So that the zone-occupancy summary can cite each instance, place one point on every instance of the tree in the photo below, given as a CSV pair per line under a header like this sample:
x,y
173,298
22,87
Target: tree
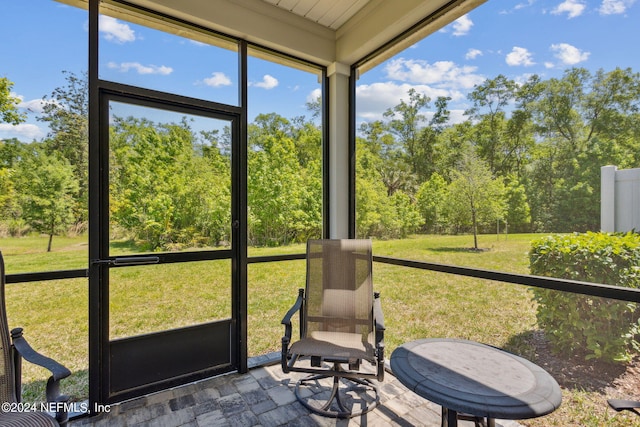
x,y
8,149
47,190
518,213
7,194
474,196
284,183
453,142
406,218
490,101
169,188
391,164
583,121
430,201
11,153
405,122
66,111
9,104
417,136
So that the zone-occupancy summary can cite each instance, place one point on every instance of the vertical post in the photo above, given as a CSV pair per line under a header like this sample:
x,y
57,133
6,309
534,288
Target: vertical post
x,y
240,278
98,286
339,155
608,198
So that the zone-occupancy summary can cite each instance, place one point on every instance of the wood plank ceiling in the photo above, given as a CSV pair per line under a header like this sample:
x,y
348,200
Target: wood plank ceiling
x,y
328,13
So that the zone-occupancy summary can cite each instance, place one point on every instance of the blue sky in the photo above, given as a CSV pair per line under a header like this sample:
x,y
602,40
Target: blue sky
x,y
515,38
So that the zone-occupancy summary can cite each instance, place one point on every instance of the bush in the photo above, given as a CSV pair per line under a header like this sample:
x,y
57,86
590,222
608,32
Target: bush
x,y
14,228
592,326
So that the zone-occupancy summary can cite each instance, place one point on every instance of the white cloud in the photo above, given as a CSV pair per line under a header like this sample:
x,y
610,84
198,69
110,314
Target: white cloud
x,y
441,73
21,131
376,98
569,55
523,5
519,56
462,26
141,69
456,116
314,95
614,7
115,31
572,8
473,54
217,79
33,106
268,82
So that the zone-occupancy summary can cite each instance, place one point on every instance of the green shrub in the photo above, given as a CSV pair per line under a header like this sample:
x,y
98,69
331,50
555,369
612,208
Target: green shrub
x,y
595,327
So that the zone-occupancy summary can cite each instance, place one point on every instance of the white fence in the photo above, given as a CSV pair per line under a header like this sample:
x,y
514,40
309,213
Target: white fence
x,y
620,199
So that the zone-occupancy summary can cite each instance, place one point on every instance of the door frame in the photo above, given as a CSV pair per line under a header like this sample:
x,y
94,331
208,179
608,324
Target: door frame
x,y
100,262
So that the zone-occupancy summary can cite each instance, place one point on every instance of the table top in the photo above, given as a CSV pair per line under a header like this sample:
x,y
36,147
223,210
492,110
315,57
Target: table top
x,y
477,379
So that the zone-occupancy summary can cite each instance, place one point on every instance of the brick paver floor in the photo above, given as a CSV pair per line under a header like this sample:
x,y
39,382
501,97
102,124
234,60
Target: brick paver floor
x,y
262,397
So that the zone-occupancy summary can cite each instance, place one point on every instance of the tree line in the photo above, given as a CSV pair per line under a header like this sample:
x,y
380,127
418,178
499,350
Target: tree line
x,y
528,155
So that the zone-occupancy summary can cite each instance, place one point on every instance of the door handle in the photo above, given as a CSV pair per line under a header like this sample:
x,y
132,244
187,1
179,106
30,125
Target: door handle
x,y
142,260
133,260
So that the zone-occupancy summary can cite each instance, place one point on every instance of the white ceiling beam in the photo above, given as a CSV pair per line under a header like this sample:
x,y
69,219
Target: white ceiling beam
x,y
255,21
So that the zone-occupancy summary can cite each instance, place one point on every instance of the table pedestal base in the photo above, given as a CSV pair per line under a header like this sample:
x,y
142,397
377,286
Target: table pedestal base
x,y
450,419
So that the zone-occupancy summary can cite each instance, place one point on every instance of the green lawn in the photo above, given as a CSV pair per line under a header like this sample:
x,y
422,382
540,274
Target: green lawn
x,y
416,304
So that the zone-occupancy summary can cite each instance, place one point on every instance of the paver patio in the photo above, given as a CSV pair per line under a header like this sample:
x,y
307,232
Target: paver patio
x,y
262,397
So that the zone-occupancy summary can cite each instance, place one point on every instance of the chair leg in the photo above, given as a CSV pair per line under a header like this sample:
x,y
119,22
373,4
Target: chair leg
x,y
335,406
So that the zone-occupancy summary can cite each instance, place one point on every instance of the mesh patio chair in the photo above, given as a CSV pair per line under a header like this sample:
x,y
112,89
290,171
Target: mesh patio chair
x,y
341,326
12,350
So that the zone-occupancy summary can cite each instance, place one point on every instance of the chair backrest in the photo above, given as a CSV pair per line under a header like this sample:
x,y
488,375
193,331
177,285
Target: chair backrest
x,y
339,288
7,374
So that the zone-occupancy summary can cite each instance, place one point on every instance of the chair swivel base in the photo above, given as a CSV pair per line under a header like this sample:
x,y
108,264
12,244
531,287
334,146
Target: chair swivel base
x,y
335,406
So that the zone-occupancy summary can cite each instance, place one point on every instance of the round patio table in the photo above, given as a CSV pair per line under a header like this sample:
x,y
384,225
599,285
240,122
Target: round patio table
x,y
467,377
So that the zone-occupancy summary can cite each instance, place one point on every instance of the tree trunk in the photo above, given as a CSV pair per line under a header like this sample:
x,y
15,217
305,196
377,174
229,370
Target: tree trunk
x,y
50,240
475,228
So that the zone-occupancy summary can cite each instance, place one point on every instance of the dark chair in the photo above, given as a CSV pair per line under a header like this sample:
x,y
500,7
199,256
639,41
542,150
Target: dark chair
x,y
622,405
13,350
341,326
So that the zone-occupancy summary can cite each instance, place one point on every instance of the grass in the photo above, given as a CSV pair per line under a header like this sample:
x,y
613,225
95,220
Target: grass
x,y
416,304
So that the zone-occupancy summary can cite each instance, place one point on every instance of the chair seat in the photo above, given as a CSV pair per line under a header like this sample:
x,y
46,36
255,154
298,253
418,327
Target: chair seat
x,y
27,419
334,345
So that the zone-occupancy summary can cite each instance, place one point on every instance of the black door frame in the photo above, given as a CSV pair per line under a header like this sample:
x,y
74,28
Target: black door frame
x,y
110,385
98,194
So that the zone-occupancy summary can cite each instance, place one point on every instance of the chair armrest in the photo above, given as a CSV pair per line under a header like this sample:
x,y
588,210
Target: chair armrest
x,y
378,316
24,351
621,405
378,320
286,320
57,370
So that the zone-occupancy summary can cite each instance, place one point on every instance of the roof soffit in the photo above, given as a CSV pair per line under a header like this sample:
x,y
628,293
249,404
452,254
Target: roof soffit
x,y
376,31
255,21
384,28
